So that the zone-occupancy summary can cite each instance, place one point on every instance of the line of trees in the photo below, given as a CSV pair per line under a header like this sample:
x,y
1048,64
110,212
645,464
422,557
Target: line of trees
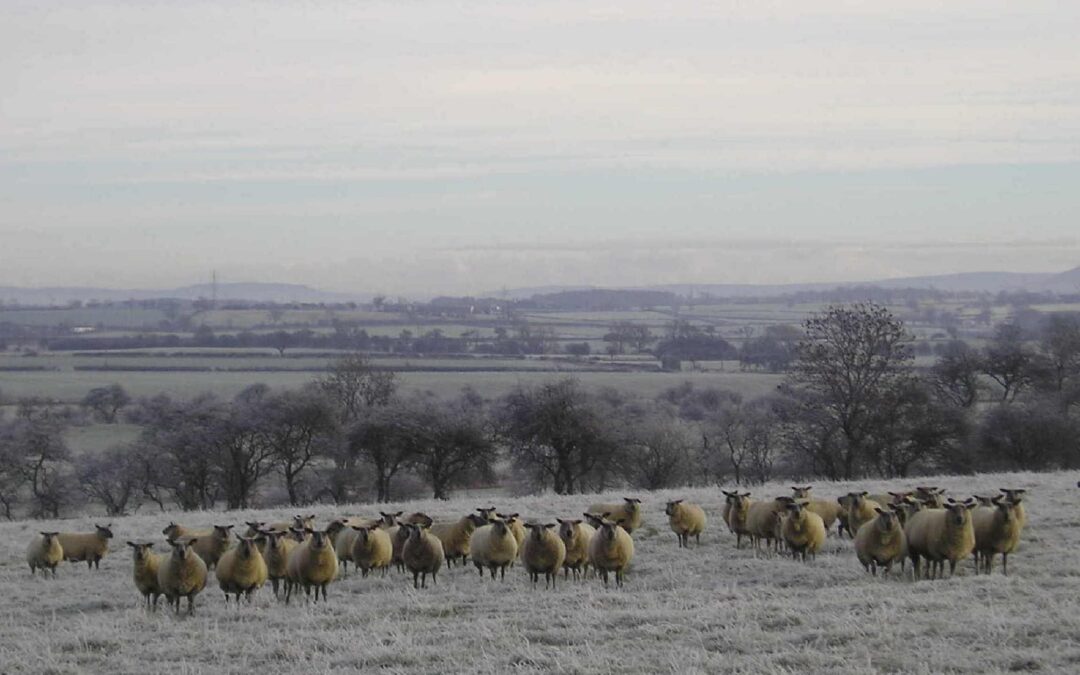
x,y
852,405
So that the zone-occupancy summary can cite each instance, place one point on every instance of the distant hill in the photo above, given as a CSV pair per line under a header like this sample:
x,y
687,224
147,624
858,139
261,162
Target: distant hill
x,y
988,282
253,292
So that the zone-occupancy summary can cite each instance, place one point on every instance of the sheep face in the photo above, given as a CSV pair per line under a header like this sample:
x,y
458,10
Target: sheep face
x,y
476,520
103,531
899,497
800,492
886,520
959,512
319,540
390,519
139,552
607,530
170,529
182,550
1006,507
487,513
536,530
566,528
222,531
669,509
361,533
500,527
336,526
509,518
245,547
1014,495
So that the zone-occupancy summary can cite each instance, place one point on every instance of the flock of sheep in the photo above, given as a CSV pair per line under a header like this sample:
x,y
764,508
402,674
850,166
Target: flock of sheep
x,y
920,524
886,529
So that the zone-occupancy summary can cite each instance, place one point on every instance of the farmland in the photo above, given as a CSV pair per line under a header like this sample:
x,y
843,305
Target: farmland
x,y
707,609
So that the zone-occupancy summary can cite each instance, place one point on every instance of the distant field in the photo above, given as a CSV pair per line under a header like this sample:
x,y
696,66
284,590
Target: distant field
x,y
707,609
71,386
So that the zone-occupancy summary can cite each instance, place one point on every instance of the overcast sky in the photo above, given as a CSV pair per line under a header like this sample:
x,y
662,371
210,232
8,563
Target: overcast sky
x,y
420,146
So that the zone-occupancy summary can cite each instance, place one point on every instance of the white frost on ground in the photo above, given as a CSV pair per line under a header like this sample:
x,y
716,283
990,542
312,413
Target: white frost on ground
x,y
708,609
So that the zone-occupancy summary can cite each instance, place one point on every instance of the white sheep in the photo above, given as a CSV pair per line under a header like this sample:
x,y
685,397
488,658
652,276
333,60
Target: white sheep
x,y
145,572
455,536
803,531
423,555
312,564
997,530
686,520
628,513
372,549
827,509
88,546
575,535
494,546
611,550
939,535
44,553
211,547
881,542
543,552
182,574
861,509
241,570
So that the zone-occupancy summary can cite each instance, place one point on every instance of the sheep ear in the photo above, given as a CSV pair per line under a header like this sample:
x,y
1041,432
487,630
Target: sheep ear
x,y
130,543
576,522
549,525
559,520
606,514
878,509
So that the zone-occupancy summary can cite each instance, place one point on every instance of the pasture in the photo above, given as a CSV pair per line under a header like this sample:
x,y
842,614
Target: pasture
x,y
706,609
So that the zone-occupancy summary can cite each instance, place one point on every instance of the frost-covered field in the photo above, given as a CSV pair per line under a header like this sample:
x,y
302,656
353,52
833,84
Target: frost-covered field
x,y
707,609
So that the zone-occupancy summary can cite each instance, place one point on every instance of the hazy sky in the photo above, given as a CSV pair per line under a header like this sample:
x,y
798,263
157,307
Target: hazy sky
x,y
420,146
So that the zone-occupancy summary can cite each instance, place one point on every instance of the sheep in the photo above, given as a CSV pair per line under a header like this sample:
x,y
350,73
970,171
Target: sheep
x,y
737,516
686,520
372,549
939,535
575,535
91,547
174,531
861,509
827,509
933,497
516,527
455,537
487,513
241,570
610,550
182,574
343,535
276,551
399,534
423,555
729,500
997,530
1016,496
843,523
212,546
629,512
761,520
984,501
418,518
803,531
145,572
881,542
543,553
311,564
494,546
44,552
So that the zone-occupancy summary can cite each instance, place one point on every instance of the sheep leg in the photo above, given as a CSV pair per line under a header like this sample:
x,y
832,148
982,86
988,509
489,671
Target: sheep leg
x,y
190,604
697,537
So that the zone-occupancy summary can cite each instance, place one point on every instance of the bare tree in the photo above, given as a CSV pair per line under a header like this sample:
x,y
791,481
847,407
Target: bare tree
x,y
299,426
453,443
106,402
851,358
657,452
384,439
557,432
242,451
1008,361
1061,348
354,385
955,376
112,478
